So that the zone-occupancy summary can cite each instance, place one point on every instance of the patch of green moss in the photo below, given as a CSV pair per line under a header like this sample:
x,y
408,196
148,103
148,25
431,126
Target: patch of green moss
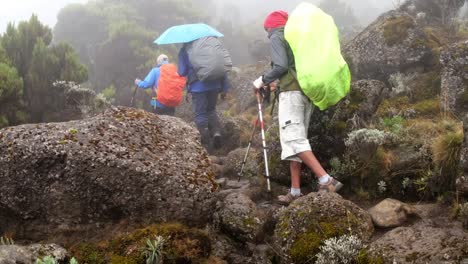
x,y
339,127
249,221
308,243
183,245
428,107
426,86
364,258
355,99
396,29
88,253
388,107
122,260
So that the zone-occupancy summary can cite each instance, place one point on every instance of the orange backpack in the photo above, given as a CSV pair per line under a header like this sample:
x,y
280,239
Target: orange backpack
x,y
170,86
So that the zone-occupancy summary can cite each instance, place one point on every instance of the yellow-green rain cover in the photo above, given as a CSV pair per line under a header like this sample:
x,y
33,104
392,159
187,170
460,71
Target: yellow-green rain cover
x,y
322,72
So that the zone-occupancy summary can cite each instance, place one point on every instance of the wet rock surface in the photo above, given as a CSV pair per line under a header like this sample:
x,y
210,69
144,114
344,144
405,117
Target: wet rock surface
x,y
123,164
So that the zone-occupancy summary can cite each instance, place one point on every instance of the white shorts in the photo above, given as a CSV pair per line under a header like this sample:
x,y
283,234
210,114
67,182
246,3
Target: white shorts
x,y
294,113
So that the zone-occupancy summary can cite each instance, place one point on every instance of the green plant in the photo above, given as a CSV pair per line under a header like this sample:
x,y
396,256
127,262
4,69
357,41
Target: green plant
x,y
154,250
446,151
406,183
73,261
46,260
382,186
109,92
422,184
393,124
5,241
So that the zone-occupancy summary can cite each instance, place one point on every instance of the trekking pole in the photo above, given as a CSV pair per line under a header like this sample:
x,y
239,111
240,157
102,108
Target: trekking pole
x,y
248,149
260,117
134,93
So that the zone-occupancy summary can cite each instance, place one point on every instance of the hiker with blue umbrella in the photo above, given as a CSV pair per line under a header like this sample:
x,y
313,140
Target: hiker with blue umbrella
x,y
205,63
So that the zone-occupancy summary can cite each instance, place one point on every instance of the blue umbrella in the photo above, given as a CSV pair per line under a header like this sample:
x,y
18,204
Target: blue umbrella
x,y
187,33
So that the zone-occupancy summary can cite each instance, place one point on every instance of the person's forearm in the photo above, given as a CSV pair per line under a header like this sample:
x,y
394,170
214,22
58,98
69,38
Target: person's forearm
x,y
274,74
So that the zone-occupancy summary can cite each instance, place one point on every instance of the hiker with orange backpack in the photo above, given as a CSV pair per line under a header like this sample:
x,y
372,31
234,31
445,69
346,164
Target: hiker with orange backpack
x,y
167,86
295,107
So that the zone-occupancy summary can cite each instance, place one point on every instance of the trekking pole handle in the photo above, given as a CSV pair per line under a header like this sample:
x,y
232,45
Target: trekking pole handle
x,y
134,94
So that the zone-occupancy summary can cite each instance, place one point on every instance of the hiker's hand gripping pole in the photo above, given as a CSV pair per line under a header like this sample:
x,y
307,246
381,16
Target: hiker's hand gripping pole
x,y
265,155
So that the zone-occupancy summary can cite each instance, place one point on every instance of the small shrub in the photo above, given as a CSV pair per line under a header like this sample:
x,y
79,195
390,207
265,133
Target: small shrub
x,y
154,250
446,151
365,142
406,183
6,241
342,250
382,186
393,124
400,83
46,260
109,93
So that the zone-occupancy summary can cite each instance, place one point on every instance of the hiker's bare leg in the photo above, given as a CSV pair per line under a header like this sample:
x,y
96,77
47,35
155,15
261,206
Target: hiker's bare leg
x,y
295,168
311,161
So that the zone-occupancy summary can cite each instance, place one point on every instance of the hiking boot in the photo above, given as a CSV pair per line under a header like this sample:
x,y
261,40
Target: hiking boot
x,y
287,199
331,186
217,140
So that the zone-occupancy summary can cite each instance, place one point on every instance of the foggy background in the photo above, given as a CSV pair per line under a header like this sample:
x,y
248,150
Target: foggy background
x,y
248,10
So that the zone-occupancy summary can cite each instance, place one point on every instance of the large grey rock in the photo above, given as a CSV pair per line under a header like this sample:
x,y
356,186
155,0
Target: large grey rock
x,y
369,94
427,241
462,181
12,254
390,213
454,59
393,43
310,220
123,164
233,163
241,218
435,10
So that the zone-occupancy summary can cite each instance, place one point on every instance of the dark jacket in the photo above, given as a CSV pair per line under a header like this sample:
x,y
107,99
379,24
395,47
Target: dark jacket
x,y
282,57
185,68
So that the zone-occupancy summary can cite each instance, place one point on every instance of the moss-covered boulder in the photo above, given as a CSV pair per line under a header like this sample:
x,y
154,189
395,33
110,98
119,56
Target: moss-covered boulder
x,y
393,43
125,164
241,219
309,221
174,242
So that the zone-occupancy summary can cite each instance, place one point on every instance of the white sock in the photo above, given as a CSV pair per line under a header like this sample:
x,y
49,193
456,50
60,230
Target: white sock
x,y
324,179
295,192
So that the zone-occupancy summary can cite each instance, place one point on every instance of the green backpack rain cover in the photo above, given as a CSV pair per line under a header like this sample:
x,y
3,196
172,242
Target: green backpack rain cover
x,y
321,70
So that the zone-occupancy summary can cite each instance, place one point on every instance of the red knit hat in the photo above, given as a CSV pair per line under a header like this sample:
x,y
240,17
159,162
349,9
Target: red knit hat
x,y
276,19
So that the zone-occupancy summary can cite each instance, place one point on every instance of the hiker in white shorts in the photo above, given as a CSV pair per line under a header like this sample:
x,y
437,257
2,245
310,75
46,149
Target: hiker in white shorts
x,y
295,111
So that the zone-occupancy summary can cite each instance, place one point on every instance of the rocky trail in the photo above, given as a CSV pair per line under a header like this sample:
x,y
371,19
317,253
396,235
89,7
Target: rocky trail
x,y
126,183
